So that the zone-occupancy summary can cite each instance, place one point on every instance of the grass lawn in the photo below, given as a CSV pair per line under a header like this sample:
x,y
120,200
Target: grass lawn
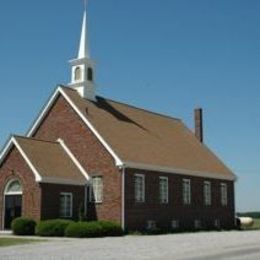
x,y
256,223
17,241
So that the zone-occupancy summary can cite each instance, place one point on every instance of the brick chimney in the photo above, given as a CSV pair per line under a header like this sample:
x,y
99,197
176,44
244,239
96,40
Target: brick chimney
x,y
198,116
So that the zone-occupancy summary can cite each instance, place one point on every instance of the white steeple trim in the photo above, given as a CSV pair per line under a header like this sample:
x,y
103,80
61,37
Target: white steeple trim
x,y
83,47
83,68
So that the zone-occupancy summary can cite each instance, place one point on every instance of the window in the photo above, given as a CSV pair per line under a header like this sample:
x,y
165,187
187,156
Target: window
x,y
151,225
217,223
223,194
175,224
139,183
197,224
77,74
13,187
66,205
90,74
207,193
163,189
186,191
96,190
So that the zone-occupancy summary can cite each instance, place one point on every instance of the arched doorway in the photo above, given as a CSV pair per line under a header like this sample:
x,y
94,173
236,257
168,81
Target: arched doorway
x,y
13,202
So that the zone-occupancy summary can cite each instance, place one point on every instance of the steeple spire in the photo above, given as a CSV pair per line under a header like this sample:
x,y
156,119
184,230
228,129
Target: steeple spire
x,y
82,76
83,47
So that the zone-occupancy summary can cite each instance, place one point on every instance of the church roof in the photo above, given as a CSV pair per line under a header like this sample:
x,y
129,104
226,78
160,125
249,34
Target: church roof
x,y
50,161
143,138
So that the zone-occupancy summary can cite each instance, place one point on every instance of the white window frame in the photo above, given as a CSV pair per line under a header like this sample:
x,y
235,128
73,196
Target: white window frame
x,y
142,192
186,193
7,186
67,194
93,191
207,193
223,194
164,197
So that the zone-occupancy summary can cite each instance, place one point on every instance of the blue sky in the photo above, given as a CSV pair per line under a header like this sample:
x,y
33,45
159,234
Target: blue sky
x,y
167,56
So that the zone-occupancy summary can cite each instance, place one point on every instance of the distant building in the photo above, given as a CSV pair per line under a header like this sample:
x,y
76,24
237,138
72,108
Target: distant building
x,y
114,161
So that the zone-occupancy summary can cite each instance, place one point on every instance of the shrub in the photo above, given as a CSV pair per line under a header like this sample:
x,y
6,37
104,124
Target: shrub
x,y
84,229
23,226
54,227
93,229
111,229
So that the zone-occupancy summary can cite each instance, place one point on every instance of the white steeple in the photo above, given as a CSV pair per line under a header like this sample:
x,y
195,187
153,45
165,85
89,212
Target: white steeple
x,y
83,47
82,76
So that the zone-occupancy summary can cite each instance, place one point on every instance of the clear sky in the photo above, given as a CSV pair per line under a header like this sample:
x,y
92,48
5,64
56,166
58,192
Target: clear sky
x,y
168,56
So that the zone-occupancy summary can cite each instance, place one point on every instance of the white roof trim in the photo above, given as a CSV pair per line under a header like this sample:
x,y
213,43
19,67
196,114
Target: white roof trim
x,y
42,114
62,181
91,127
73,158
84,119
185,172
8,147
38,177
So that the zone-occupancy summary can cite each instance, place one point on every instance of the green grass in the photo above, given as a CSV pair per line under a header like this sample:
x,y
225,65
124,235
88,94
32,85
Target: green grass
x,y
256,223
17,241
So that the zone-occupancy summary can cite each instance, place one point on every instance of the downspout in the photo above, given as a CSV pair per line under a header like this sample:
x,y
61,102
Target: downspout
x,y
123,198
86,199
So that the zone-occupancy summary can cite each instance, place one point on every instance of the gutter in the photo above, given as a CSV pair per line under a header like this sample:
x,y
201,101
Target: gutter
x,y
123,197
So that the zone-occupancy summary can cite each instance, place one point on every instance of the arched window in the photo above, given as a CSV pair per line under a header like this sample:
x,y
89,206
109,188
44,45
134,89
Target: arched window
x,y
77,74
13,187
90,74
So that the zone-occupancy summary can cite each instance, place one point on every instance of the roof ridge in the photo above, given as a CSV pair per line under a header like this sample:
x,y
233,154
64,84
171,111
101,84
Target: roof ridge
x,y
35,139
132,106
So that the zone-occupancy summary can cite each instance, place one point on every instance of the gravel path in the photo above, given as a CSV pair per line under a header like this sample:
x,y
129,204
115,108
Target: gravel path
x,y
208,245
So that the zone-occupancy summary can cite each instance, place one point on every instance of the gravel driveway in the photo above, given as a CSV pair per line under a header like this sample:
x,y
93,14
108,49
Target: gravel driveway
x,y
208,245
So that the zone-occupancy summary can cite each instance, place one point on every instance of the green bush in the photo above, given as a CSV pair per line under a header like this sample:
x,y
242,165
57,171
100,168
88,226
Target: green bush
x,y
93,229
54,227
23,226
111,229
84,229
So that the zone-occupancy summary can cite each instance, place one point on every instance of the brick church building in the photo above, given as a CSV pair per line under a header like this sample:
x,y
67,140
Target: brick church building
x,y
113,161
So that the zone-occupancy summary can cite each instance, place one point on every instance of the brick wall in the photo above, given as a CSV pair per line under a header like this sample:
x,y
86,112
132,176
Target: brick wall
x,y
63,122
14,167
51,199
137,214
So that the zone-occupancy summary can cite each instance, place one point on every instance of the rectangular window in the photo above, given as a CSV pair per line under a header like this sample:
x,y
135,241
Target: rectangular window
x,y
163,189
96,189
151,225
139,182
186,188
197,224
175,224
66,205
207,193
223,194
